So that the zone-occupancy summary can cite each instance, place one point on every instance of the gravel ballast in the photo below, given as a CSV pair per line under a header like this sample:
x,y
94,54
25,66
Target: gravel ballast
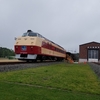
x,y
95,68
5,68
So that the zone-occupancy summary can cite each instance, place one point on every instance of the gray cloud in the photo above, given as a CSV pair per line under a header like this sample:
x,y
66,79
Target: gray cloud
x,y
68,23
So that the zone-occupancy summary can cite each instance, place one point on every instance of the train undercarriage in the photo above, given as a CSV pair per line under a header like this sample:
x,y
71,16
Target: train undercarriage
x,y
35,57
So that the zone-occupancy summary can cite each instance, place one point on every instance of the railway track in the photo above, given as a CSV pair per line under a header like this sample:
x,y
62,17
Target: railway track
x,y
9,66
98,63
10,63
7,62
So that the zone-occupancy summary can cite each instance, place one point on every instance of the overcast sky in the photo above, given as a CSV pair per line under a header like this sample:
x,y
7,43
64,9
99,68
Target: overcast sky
x,y
68,23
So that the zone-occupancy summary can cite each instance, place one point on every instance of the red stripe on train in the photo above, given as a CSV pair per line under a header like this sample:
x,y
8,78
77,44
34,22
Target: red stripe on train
x,y
28,50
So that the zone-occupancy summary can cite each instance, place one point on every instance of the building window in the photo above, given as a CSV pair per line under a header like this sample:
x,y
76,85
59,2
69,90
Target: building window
x,y
93,54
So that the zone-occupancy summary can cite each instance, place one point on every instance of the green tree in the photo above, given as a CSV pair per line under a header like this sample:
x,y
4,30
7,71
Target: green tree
x,y
5,52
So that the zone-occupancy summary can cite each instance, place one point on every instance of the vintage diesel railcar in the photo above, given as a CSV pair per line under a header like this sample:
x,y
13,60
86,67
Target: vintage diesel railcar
x,y
33,46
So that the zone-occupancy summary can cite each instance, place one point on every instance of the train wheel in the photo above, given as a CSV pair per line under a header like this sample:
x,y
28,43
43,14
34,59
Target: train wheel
x,y
42,58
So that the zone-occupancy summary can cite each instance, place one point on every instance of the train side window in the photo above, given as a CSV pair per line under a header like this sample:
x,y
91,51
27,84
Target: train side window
x,y
43,44
55,49
39,35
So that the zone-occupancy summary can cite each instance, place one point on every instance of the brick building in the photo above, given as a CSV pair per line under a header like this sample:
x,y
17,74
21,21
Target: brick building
x,y
89,52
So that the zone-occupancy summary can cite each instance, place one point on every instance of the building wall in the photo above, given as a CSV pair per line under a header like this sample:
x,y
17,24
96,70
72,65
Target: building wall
x,y
83,50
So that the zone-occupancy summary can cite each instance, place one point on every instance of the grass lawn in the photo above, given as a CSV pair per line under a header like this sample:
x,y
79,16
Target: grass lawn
x,y
56,82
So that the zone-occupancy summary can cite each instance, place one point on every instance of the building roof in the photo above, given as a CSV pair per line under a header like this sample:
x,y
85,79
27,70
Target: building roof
x,y
90,43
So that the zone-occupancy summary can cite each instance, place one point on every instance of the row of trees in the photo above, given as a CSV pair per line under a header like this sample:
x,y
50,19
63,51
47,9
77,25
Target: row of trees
x,y
5,52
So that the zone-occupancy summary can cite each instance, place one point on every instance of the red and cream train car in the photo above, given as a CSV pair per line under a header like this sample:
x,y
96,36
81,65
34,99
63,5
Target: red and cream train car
x,y
33,46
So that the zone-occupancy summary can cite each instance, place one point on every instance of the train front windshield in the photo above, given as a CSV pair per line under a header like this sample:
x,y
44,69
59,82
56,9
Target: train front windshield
x,y
24,34
29,34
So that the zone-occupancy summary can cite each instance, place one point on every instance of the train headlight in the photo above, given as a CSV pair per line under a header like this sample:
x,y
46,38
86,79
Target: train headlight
x,y
25,38
16,42
32,42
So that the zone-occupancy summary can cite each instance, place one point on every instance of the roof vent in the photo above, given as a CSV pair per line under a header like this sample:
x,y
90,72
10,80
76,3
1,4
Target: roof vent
x,y
29,30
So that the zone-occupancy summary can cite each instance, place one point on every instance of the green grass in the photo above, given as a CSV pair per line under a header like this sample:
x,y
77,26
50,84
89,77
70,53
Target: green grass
x,y
56,82
10,91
